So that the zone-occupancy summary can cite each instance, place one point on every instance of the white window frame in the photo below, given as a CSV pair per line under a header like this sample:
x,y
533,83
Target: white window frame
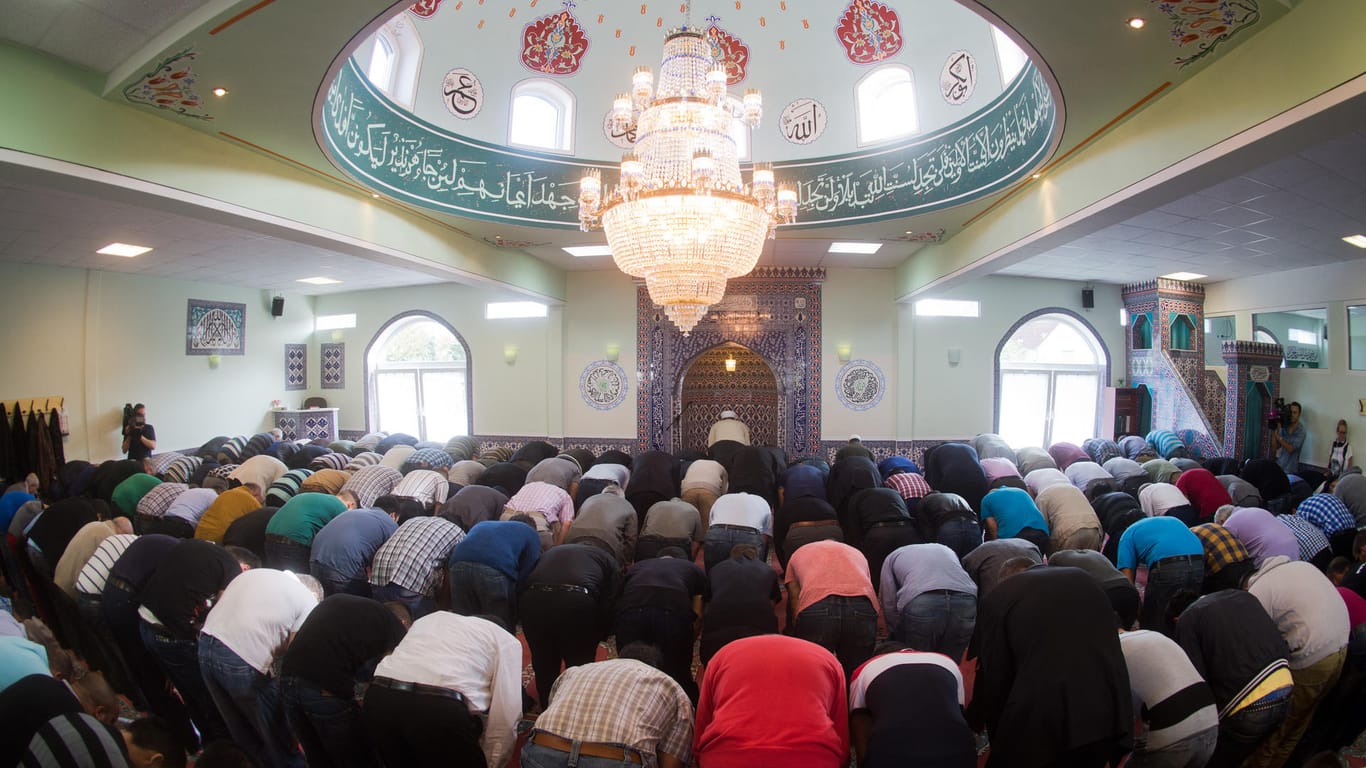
x,y
561,99
374,365
1006,54
868,91
1052,370
403,39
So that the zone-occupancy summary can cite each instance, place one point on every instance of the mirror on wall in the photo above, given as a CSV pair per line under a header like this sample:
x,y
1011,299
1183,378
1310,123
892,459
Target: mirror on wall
x,y
1217,331
1302,334
1356,337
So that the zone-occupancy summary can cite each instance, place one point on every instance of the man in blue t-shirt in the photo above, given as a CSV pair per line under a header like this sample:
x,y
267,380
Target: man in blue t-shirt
x,y
1175,560
1010,513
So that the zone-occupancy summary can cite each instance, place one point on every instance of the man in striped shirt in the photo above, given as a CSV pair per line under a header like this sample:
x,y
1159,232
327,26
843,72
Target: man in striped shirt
x,y
409,565
550,506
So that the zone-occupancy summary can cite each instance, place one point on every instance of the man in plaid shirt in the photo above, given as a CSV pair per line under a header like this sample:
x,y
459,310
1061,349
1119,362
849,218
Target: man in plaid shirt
x,y
408,566
1331,515
1227,561
551,507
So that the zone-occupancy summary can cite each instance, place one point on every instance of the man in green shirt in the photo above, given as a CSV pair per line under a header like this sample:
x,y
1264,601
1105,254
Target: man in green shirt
x,y
289,536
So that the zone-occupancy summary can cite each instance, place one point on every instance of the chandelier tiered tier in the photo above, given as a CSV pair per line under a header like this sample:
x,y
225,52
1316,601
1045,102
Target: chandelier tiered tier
x,y
681,216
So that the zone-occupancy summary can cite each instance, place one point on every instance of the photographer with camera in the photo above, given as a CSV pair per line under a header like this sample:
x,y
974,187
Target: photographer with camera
x,y
139,437
1288,436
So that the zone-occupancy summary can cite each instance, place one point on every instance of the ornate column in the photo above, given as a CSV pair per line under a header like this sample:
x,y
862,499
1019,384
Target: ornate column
x,y
1252,365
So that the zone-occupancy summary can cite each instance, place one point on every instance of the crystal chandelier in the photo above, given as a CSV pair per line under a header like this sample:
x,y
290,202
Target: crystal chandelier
x,y
680,216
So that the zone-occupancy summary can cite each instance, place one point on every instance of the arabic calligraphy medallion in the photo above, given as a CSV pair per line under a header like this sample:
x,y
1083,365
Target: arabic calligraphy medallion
x,y
727,49
803,121
958,79
869,32
624,138
860,384
603,385
554,44
462,93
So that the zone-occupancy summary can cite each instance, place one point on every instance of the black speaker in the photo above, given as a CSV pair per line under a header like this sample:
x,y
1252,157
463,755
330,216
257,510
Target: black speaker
x,y
277,306
1088,298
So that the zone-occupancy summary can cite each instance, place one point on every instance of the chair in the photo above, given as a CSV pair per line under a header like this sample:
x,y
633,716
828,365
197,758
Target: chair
x,y
315,402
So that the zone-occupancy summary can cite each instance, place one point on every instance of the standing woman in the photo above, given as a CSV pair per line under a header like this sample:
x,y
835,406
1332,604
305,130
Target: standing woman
x,y
1340,455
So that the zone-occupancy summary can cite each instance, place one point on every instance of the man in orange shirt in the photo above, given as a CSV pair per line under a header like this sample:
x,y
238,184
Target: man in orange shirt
x,y
229,506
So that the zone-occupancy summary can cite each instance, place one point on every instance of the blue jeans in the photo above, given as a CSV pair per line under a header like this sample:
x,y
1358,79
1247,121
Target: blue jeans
x,y
959,534
179,659
418,604
250,704
1242,732
1166,577
716,547
335,582
537,756
845,626
330,729
939,621
481,589
1194,751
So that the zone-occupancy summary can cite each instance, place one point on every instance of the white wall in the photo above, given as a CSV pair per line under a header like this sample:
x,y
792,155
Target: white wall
x,y
102,339
1326,394
948,401
518,399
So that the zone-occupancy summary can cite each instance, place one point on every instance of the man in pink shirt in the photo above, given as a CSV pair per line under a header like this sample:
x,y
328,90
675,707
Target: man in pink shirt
x,y
772,700
830,601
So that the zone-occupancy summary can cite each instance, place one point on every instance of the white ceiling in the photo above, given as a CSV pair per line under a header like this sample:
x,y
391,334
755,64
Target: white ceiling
x,y
99,34
788,250
39,225
1286,214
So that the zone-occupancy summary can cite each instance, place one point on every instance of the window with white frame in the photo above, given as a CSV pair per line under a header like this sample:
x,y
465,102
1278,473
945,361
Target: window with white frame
x,y
417,372
885,100
1051,375
1009,56
542,116
391,58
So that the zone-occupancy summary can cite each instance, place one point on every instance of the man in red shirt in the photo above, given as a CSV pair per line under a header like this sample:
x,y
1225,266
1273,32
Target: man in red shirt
x,y
772,700
830,601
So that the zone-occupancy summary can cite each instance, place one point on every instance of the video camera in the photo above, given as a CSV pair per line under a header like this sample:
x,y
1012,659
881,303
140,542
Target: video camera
x,y
1273,419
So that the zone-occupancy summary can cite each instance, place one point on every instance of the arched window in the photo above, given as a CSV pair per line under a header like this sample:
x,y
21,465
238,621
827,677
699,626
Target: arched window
x,y
417,379
542,116
391,58
1051,369
1009,56
885,100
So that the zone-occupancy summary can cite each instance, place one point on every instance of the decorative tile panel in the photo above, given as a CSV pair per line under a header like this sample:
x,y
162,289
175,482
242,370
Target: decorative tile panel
x,y
333,365
296,367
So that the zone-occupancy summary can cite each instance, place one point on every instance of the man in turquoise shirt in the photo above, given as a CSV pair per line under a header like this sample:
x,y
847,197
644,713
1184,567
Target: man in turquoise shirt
x,y
1175,559
289,535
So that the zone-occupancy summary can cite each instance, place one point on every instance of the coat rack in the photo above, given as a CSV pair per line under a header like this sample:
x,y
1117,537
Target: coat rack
x,y
27,405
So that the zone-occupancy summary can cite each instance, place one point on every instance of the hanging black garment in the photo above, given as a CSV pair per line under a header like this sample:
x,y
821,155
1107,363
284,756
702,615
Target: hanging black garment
x,y
19,444
7,470
40,443
54,431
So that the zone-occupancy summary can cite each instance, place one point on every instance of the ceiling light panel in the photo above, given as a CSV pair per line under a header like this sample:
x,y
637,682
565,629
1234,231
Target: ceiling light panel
x,y
1184,276
124,249
865,249
319,281
580,251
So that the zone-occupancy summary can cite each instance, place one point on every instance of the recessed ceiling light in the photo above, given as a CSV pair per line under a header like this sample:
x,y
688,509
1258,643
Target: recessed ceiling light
x,y
587,250
123,249
1357,240
1036,175
862,248
220,92
319,281
375,195
1184,276
1135,23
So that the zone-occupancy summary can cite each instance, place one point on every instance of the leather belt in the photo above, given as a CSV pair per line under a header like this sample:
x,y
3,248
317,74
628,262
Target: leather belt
x,y
729,527
560,588
1180,558
890,523
590,748
430,690
808,523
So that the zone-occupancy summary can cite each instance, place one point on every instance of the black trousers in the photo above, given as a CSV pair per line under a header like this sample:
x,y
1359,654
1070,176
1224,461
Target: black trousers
x,y
422,730
669,631
560,628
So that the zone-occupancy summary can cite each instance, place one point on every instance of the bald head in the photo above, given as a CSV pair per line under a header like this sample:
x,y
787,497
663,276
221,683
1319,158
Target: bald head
x,y
97,697
122,525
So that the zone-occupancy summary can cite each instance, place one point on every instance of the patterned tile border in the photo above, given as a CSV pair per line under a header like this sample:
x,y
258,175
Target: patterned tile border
x,y
296,367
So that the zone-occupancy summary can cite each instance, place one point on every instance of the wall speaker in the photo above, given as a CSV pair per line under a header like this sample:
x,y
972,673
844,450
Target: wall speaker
x,y
1088,298
277,306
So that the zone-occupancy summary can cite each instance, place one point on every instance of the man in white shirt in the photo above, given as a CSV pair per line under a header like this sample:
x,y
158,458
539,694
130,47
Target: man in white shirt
x,y
428,697
737,518
247,630
728,428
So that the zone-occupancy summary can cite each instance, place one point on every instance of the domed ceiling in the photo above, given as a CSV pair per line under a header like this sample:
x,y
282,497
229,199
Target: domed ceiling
x,y
436,132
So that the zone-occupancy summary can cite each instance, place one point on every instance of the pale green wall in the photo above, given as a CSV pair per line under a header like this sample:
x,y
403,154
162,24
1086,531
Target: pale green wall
x,y
601,310
508,399
102,339
858,310
947,401
1326,394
